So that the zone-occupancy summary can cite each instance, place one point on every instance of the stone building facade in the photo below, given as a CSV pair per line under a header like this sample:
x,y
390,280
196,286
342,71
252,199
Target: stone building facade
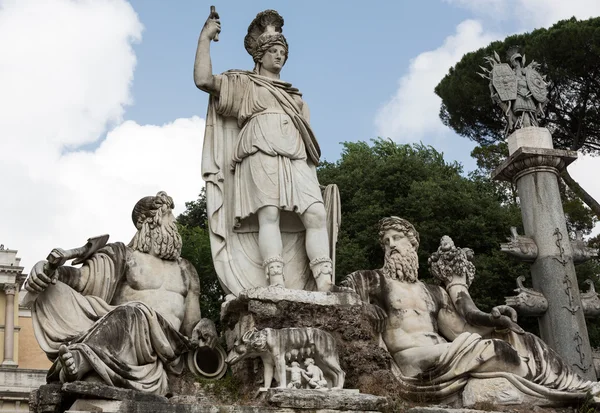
x,y
24,364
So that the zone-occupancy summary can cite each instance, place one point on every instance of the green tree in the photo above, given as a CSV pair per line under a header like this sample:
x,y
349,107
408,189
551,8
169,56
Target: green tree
x,y
195,212
569,54
196,248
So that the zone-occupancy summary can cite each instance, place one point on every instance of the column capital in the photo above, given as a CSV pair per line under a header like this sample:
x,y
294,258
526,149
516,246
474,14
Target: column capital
x,y
527,160
10,289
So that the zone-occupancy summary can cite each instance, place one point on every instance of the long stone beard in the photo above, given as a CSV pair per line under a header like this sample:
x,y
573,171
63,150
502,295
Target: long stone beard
x,y
401,265
166,241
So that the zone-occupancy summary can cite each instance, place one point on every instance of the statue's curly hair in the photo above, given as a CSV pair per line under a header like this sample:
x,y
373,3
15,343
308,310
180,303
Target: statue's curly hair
x,y
401,225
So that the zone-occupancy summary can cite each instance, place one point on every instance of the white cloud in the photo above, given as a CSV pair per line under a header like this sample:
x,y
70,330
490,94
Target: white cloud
x,y
495,8
65,79
531,14
411,114
542,13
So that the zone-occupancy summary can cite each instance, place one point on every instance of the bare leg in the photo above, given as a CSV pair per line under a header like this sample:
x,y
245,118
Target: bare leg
x,y
317,239
317,246
270,244
74,365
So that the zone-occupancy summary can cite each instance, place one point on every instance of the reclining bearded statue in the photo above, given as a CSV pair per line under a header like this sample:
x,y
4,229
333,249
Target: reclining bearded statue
x,y
129,313
437,336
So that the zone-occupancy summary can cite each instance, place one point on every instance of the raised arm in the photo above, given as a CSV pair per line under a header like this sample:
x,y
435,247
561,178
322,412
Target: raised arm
x,y
203,76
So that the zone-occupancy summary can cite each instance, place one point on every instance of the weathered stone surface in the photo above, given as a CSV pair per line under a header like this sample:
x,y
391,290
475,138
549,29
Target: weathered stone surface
x,y
103,391
515,409
291,344
497,391
83,398
325,399
341,314
531,137
440,409
96,405
49,399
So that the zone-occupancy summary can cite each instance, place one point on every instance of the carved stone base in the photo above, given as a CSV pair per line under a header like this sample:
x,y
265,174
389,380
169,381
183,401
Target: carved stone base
x,y
531,137
83,397
499,392
326,399
342,314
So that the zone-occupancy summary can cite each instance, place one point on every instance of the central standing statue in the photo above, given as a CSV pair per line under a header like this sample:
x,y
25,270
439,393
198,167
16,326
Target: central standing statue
x,y
267,217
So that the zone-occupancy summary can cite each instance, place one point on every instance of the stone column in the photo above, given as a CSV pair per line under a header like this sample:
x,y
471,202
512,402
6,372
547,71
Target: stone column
x,y
9,325
534,166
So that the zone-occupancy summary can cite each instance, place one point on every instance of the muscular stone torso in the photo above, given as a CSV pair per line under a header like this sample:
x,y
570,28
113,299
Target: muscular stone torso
x,y
412,316
158,283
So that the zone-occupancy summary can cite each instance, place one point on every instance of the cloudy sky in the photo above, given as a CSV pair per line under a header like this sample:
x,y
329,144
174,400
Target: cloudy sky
x,y
98,106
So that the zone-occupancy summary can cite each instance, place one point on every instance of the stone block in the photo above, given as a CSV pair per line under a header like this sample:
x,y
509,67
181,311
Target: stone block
x,y
105,392
96,405
443,409
325,399
531,137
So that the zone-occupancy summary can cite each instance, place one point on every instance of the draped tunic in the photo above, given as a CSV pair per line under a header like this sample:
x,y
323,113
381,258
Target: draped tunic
x,y
271,161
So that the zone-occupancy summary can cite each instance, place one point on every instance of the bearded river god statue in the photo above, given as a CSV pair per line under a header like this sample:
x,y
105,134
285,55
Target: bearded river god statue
x,y
270,224
441,342
129,314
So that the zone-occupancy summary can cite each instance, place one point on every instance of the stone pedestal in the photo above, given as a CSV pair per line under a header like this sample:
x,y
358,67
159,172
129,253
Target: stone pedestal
x,y
343,314
344,400
82,397
535,170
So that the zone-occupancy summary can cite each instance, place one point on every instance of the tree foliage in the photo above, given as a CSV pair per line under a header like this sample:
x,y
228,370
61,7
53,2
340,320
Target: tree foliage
x,y
569,54
196,248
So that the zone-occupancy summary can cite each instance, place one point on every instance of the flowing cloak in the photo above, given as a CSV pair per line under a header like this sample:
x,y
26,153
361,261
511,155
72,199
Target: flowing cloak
x,y
128,345
548,375
259,150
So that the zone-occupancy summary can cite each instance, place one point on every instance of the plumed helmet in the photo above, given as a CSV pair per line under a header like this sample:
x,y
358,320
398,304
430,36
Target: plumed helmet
x,y
264,32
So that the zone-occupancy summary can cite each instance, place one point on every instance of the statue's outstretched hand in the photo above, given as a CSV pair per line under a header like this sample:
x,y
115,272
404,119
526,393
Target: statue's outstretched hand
x,y
205,334
38,280
212,27
505,318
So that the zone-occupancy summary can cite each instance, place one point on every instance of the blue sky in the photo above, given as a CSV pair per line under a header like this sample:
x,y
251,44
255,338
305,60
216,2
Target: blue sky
x,y
346,58
99,107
